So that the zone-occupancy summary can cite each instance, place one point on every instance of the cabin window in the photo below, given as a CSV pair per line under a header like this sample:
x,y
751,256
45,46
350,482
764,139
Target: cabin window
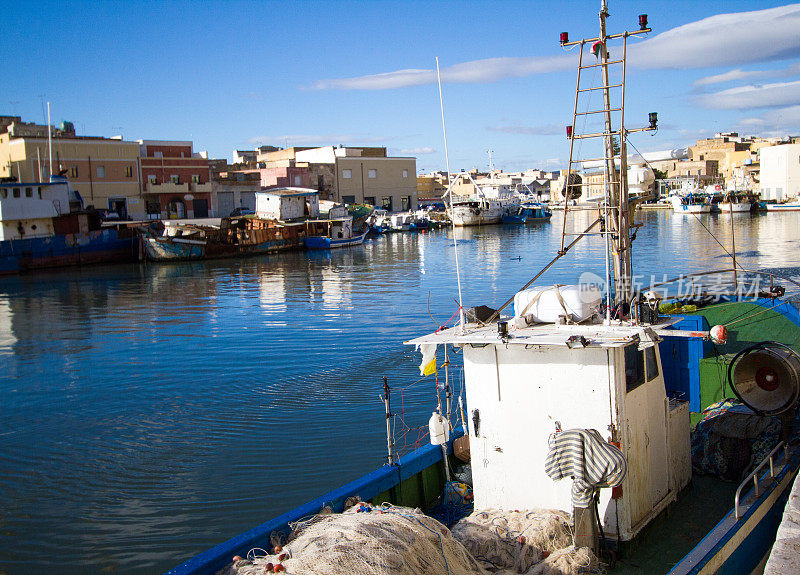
x,y
3,194
651,363
28,192
372,174
347,174
128,171
297,180
101,171
634,368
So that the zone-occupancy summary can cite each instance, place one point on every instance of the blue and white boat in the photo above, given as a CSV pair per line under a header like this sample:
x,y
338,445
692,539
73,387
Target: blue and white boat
x,y
334,233
174,243
528,213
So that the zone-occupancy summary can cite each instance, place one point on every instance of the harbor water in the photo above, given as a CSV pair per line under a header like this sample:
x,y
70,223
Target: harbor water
x,y
150,412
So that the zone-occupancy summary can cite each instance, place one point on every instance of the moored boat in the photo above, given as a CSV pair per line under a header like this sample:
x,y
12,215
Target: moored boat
x,y
476,212
174,243
334,233
528,213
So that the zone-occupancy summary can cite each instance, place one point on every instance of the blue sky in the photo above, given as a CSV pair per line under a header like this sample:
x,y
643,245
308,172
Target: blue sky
x,y
238,74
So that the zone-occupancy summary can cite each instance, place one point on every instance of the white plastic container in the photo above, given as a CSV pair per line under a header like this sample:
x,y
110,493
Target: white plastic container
x,y
543,304
439,430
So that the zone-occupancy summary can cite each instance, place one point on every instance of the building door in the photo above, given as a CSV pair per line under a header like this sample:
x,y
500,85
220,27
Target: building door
x,y
200,208
224,204
118,206
248,200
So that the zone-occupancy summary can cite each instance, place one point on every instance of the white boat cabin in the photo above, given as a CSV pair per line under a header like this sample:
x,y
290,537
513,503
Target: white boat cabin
x,y
534,381
27,209
286,204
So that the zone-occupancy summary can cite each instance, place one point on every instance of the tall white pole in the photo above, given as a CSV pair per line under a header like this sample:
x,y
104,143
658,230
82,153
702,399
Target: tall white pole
x,y
49,140
447,161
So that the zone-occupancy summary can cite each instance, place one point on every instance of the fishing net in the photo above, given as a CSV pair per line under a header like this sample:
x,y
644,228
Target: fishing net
x,y
389,540
384,540
515,540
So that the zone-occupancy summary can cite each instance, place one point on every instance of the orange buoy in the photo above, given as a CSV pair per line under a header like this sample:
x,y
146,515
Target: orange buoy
x,y
236,558
278,568
283,556
719,334
267,567
278,549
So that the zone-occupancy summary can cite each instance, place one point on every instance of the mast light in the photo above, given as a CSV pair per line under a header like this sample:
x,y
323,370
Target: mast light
x,y
564,37
643,21
653,117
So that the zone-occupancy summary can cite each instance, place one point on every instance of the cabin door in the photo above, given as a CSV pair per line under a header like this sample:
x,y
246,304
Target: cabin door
x,y
646,432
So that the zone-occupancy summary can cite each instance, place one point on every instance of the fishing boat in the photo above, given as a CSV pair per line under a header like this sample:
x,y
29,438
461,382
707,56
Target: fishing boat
x,y
379,222
579,401
736,202
173,243
528,213
333,233
691,203
44,225
790,206
476,212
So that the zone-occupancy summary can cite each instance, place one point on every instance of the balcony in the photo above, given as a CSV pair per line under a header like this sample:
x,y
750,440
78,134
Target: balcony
x,y
201,188
167,188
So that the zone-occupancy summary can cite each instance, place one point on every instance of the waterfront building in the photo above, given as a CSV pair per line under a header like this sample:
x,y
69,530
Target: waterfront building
x,y
104,171
287,204
176,181
231,190
780,172
431,187
352,175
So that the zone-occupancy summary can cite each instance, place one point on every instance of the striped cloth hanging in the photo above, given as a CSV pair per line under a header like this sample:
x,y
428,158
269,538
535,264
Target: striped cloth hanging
x,y
591,462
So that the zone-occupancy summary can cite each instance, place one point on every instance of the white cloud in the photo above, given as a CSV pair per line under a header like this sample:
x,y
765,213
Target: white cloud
x,y
775,123
722,40
731,76
755,96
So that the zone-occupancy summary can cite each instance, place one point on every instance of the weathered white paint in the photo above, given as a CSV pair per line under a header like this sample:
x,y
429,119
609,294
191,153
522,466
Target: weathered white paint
x,y
27,209
287,204
521,388
780,172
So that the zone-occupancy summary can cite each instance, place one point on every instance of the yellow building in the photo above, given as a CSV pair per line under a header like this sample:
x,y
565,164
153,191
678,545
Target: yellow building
x,y
104,171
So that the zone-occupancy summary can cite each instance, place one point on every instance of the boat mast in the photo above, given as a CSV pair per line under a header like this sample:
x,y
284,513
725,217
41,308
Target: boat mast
x,y
49,140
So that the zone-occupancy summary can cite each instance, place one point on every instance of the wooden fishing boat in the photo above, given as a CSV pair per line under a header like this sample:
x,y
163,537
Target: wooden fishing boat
x,y
175,243
331,234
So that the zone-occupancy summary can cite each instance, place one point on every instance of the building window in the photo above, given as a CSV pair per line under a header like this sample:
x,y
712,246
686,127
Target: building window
x,y
151,179
372,174
101,171
386,203
39,192
297,180
405,173
158,155
128,171
28,192
175,179
16,192
195,179
3,194
73,172
405,203
369,200
348,200
347,174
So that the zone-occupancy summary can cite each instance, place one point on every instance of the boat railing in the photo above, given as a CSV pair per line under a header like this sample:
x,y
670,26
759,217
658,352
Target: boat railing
x,y
754,474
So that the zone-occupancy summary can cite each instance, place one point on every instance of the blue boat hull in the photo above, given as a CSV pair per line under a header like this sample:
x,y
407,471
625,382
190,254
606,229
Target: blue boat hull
x,y
66,250
326,243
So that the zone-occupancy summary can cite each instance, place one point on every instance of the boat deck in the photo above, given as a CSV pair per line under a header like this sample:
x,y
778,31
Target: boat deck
x,y
784,559
661,545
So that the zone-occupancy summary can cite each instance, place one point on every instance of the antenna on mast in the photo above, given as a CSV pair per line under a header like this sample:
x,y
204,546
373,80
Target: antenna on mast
x,y
449,191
